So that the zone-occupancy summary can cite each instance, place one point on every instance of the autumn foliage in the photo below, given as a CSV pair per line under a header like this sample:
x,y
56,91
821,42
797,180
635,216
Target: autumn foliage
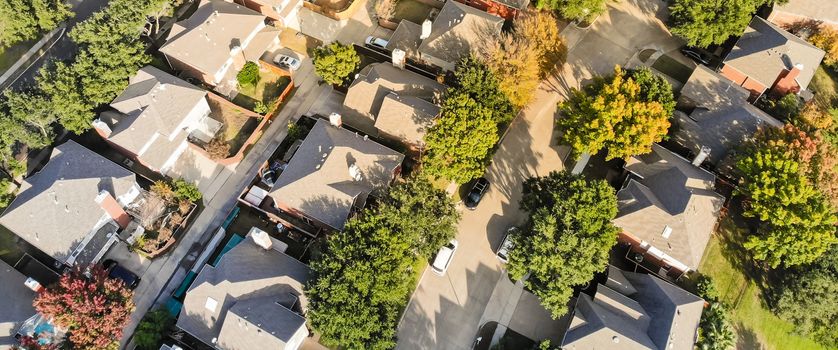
x,y
93,308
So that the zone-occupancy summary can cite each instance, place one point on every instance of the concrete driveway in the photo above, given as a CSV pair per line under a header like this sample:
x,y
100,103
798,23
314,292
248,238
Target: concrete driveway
x,y
446,312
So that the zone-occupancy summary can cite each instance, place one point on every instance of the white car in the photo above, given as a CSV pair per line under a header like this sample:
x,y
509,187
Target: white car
x,y
287,61
506,245
444,257
377,42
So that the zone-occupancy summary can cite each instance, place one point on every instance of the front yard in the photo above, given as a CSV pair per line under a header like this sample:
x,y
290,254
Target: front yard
x,y
266,90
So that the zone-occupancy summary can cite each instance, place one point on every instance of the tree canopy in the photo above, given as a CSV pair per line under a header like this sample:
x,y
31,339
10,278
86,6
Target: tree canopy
x,y
24,19
625,113
577,10
93,307
567,237
826,38
710,22
473,77
334,63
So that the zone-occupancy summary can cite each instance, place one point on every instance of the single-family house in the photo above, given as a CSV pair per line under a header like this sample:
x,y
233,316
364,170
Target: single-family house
x,y
73,208
768,59
714,117
634,311
155,119
285,13
794,12
508,9
667,210
401,104
215,42
16,304
251,300
332,174
457,31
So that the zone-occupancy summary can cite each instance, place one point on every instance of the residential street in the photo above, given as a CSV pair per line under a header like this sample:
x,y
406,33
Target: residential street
x,y
446,312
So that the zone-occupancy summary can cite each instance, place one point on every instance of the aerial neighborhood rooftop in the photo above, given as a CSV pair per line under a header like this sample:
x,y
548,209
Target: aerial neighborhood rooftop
x,y
418,174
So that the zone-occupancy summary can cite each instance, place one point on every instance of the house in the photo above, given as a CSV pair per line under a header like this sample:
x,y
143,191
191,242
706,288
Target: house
x,y
331,175
634,311
457,31
797,11
768,59
156,118
667,209
16,304
217,40
285,13
251,300
400,103
714,118
73,208
508,9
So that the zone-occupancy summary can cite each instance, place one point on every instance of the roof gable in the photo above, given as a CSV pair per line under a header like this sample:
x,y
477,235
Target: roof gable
x,y
459,30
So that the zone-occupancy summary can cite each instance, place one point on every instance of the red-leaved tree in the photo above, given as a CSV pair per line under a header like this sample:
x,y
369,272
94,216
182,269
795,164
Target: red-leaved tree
x,y
92,307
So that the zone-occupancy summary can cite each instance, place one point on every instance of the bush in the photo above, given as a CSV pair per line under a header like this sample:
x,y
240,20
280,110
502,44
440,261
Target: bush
x,y
186,190
151,329
249,75
163,189
715,330
218,149
334,63
787,108
260,107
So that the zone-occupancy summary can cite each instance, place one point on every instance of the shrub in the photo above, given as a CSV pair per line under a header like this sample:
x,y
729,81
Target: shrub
x,y
334,63
249,75
186,190
163,189
260,107
218,149
151,329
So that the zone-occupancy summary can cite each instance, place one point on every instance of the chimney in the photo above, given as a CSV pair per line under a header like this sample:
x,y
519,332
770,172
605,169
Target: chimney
x,y
794,72
261,238
399,58
354,172
114,210
426,29
701,156
102,128
335,119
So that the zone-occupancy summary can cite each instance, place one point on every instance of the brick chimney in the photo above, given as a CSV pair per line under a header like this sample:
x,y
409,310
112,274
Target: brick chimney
x,y
787,81
114,210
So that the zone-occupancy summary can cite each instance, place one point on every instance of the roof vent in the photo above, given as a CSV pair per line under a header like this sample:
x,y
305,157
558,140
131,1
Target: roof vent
x,y
426,29
615,339
261,238
355,172
211,304
667,231
366,137
335,119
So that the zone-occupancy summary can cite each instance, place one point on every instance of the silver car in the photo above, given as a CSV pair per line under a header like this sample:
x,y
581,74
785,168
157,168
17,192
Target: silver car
x,y
444,257
377,42
506,245
287,61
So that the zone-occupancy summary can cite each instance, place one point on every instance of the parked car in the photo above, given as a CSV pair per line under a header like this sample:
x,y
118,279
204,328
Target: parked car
x,y
376,42
115,271
696,55
444,257
478,189
506,245
287,62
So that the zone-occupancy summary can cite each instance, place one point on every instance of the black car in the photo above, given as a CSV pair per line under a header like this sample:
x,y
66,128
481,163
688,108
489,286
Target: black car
x,y
696,55
478,189
118,272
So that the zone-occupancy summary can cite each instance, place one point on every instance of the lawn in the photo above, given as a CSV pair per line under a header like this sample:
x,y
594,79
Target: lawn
x,y
756,327
10,55
267,90
411,10
238,125
669,66
825,86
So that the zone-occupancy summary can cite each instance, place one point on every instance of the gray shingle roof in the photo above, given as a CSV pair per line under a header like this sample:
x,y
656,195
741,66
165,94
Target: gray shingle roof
x,y
154,102
459,30
204,39
317,181
259,323
656,315
669,191
55,208
406,38
247,274
16,303
367,92
765,50
406,117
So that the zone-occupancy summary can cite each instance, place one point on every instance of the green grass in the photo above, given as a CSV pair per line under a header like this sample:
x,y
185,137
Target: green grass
x,y
267,90
411,10
669,66
825,86
10,55
756,327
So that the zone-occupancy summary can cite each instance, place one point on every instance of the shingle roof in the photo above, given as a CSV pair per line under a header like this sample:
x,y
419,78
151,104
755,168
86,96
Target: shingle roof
x,y
406,117
247,275
406,38
204,40
765,50
669,191
658,316
55,208
259,323
16,303
367,92
317,181
817,9
458,30
154,102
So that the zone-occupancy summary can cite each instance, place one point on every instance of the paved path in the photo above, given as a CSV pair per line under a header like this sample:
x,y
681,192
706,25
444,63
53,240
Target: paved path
x,y
446,312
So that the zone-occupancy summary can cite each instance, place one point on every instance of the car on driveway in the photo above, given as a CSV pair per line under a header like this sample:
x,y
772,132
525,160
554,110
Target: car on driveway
x,y
696,55
478,189
506,245
376,42
444,257
286,61
115,271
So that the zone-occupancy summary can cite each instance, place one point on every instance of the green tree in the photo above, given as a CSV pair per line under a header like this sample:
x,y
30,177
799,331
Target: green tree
x,y
361,283
60,85
334,63
152,328
32,111
786,108
710,22
249,74
460,143
576,10
567,237
473,77
186,190
23,20
619,113
49,13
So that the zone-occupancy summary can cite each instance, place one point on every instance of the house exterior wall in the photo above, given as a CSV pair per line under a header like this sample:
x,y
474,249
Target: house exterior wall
x,y
786,83
660,259
492,7
756,88
191,71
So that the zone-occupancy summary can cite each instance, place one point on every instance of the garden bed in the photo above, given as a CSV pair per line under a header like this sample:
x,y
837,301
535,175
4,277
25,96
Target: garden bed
x,y
163,213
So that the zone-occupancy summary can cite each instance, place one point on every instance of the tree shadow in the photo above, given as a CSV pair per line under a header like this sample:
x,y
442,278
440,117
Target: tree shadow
x,y
746,339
